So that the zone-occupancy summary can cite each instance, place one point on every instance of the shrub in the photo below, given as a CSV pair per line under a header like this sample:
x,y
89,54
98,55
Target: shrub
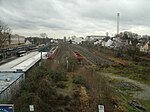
x,y
58,76
61,85
79,80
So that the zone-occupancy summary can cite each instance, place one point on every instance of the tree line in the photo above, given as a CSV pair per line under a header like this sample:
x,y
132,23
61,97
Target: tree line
x,y
5,33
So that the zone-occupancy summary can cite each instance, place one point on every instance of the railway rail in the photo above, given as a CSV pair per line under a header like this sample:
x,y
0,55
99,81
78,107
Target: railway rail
x,y
91,57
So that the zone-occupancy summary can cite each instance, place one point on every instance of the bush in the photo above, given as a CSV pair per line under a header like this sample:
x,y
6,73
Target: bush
x,y
61,85
58,76
134,53
39,88
79,80
71,64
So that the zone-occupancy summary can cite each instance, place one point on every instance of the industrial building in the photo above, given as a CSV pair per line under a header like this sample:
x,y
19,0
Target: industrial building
x,y
12,73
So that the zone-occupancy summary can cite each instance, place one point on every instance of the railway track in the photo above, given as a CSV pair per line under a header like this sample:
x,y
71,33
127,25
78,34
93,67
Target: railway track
x,y
64,51
91,57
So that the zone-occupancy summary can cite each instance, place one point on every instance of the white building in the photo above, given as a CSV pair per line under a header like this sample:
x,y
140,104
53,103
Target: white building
x,y
76,40
28,42
145,47
79,40
109,43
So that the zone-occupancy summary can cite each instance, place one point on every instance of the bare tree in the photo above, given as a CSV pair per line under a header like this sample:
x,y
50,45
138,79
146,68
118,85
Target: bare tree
x,y
4,34
43,35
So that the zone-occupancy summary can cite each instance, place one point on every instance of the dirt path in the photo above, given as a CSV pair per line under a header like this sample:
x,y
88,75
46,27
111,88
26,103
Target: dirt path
x,y
144,94
84,100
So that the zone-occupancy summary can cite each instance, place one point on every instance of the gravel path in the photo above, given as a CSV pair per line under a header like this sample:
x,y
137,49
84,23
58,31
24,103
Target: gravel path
x,y
144,94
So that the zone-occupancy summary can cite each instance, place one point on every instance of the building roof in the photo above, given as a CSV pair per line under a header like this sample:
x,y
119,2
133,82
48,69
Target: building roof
x,y
9,72
6,79
106,39
143,43
23,63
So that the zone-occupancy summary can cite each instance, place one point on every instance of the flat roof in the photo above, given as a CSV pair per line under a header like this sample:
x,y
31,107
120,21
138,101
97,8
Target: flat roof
x,y
23,63
17,61
8,71
6,79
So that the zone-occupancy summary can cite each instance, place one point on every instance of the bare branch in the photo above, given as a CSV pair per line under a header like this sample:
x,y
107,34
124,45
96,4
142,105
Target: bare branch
x,y
4,34
43,35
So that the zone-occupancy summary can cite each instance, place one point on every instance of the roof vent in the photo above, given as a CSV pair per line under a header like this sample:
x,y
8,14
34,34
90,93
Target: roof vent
x,y
7,79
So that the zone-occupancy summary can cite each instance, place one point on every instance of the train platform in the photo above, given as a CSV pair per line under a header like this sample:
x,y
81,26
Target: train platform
x,y
3,61
23,63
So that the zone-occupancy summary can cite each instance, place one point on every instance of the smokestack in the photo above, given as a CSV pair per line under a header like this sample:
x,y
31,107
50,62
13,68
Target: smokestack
x,y
118,14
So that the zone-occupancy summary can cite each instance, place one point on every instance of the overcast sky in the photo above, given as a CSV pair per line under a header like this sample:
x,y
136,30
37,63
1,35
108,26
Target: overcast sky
x,y
75,17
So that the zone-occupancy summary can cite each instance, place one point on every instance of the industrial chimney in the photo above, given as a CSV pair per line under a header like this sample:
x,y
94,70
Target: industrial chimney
x,y
118,23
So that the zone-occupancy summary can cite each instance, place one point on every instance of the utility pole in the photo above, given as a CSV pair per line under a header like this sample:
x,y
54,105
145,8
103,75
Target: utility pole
x,y
118,14
41,55
67,62
40,63
9,40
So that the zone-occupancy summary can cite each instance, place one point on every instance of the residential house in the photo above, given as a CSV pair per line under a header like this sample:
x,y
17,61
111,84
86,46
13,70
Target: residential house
x,y
28,42
109,43
104,41
79,40
75,40
144,47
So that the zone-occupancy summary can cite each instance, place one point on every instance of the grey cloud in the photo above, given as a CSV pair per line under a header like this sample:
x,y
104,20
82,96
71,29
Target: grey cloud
x,y
132,12
73,16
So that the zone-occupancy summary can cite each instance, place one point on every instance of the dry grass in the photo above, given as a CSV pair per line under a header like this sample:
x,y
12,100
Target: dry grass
x,y
99,91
